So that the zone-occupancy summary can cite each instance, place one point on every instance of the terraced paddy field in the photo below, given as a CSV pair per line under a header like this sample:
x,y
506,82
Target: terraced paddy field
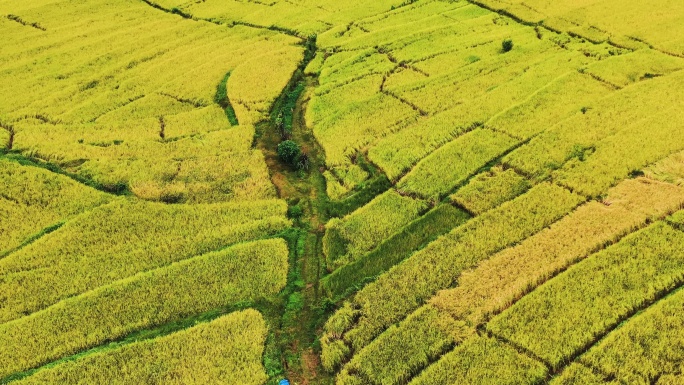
x,y
384,193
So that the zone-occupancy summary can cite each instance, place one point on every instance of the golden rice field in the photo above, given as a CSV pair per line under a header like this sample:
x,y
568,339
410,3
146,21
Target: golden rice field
x,y
396,192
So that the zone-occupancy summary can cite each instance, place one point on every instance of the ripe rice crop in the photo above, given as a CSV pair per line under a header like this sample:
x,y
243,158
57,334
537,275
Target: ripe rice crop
x,y
394,356
482,361
348,238
123,238
638,66
670,169
33,199
123,94
143,301
406,286
490,189
394,249
506,277
499,281
646,346
615,126
567,314
397,152
556,101
231,350
578,374
610,19
452,164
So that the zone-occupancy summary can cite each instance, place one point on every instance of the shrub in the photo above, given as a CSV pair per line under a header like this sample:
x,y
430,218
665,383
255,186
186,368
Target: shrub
x,y
295,212
506,45
288,151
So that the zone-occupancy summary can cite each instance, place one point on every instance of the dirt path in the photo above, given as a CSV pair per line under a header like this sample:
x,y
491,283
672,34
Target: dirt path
x,y
304,188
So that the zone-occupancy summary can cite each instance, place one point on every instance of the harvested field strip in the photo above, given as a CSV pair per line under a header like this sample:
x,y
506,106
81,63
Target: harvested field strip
x,y
231,346
143,301
597,295
94,250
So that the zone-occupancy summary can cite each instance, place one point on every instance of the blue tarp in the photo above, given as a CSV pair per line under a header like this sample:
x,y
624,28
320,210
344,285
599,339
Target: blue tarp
x,y
284,382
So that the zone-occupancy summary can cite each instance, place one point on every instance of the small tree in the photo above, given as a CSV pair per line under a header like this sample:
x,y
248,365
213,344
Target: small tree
x,y
288,152
506,45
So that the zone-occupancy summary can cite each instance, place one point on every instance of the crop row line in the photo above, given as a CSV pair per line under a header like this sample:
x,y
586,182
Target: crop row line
x,y
483,331
26,23
185,15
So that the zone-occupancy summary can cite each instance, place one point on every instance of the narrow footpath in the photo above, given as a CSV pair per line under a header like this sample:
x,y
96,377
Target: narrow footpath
x,y
303,190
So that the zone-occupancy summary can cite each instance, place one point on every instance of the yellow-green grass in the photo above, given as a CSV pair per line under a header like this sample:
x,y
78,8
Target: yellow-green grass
x,y
497,283
578,374
240,273
566,315
347,239
406,286
645,347
395,356
121,239
483,361
231,350
489,189
451,165
33,199
618,119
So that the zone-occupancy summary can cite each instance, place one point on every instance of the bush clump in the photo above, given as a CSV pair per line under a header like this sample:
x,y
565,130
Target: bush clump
x,y
506,45
288,151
